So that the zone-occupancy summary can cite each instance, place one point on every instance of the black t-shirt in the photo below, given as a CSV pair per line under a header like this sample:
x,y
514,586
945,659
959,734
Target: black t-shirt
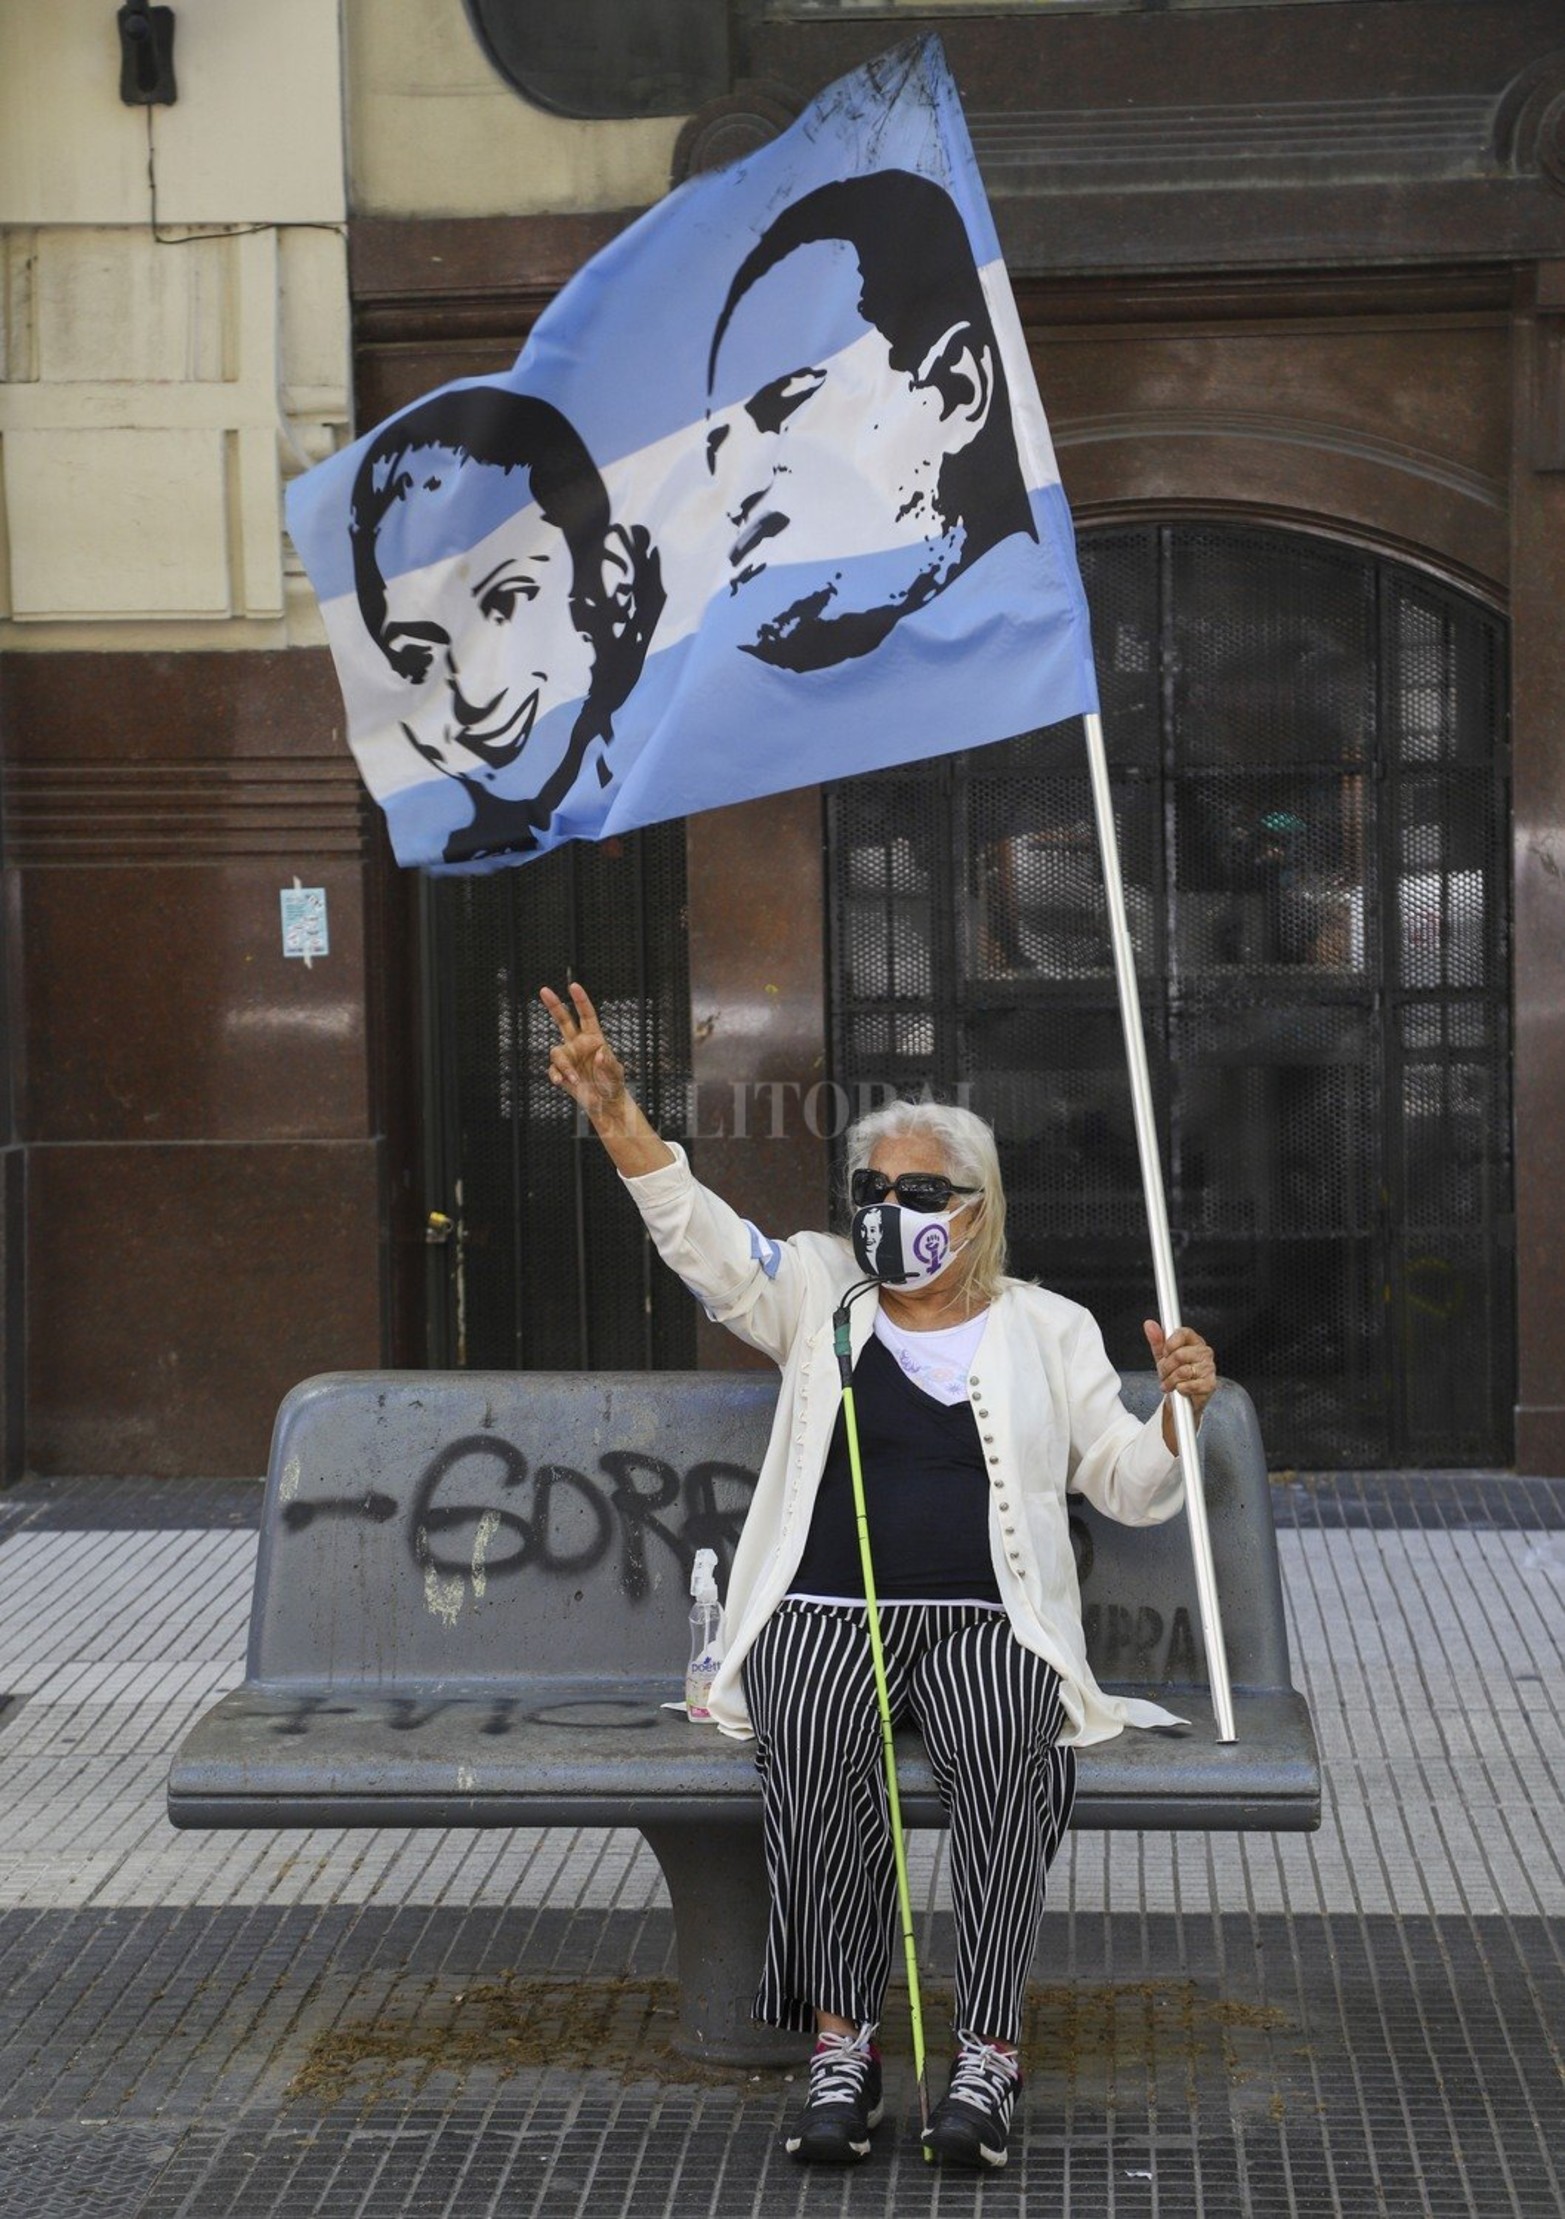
x,y
926,1494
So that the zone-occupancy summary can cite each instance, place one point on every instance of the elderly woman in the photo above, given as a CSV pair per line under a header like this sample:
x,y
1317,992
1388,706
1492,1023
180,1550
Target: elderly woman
x,y
980,1400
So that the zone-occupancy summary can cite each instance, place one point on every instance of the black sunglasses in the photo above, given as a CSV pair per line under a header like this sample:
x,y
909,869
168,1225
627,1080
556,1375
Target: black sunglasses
x,y
920,1190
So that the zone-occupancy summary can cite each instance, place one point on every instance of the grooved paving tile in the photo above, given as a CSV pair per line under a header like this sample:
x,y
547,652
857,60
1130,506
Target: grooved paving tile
x,y
1362,2021
1238,2060
84,2173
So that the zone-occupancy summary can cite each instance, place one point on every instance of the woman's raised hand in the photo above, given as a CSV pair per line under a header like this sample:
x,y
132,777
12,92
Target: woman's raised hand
x,y
585,1067
581,1060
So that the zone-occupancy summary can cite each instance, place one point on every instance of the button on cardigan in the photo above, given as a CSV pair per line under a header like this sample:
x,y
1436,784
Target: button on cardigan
x,y
1050,1399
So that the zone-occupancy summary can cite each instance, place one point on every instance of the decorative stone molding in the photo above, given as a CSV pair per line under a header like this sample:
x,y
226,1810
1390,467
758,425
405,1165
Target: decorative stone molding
x,y
1234,143
158,396
726,130
1194,143
1546,432
185,812
1353,442
1529,123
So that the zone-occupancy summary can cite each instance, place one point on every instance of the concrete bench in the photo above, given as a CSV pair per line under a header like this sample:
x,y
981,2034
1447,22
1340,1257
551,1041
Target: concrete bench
x,y
472,1599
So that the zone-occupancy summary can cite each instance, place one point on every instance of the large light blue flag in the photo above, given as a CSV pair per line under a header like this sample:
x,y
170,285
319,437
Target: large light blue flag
x,y
768,498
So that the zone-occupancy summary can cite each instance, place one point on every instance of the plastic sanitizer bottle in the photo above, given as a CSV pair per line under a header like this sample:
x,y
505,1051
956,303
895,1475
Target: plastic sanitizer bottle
x,y
706,1618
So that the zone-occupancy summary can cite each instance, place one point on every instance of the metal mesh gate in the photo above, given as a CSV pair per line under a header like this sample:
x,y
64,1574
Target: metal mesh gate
x,y
546,1267
1309,768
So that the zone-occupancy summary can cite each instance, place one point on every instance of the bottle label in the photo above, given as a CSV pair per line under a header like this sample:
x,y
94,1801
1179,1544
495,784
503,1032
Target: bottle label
x,y
698,1687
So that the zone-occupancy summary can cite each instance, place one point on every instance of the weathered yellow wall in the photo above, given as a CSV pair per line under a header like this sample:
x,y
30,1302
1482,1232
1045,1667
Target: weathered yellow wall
x,y
159,390
255,136
433,131
156,400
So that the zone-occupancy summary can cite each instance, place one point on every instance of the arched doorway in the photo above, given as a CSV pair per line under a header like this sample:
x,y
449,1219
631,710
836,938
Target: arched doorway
x,y
1310,770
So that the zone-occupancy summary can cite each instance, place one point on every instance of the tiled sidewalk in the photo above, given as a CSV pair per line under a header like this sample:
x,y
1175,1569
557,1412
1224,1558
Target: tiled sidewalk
x,y
220,2027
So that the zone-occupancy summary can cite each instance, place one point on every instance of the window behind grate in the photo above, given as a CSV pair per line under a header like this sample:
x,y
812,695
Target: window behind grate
x,y
1309,768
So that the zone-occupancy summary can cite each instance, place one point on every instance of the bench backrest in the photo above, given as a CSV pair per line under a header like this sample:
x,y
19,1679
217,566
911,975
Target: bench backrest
x,y
425,1526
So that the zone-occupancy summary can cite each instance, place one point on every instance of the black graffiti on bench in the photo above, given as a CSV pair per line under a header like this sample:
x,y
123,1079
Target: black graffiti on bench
x,y
642,1488
1126,1642
378,1509
304,1708
410,1714
638,1499
527,1539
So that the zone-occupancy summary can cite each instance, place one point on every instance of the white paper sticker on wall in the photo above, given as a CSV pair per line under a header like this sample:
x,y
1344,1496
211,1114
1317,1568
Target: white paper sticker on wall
x,y
304,922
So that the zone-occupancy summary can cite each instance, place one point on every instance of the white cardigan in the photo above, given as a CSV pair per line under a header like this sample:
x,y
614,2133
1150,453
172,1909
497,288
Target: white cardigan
x,y
1042,1389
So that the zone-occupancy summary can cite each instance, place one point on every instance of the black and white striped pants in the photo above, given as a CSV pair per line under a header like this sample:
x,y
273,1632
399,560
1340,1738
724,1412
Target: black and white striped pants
x,y
989,1711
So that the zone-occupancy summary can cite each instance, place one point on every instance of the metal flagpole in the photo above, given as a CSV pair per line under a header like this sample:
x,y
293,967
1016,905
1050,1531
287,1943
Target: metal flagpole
x,y
1157,1221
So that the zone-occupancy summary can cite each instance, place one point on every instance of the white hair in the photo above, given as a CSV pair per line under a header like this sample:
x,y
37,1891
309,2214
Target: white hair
x,y
970,1159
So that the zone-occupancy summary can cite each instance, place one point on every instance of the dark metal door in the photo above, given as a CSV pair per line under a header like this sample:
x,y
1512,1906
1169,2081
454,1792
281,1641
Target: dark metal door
x,y
1310,770
537,1259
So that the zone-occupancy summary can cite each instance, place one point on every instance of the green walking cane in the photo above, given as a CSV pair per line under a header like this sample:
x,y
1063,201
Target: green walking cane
x,y
843,1347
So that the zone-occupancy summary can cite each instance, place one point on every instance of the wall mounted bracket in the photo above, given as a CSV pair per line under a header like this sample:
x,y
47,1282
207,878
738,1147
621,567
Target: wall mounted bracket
x,y
146,55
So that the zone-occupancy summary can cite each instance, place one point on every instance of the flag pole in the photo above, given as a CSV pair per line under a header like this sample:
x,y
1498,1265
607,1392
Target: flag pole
x,y
1157,1222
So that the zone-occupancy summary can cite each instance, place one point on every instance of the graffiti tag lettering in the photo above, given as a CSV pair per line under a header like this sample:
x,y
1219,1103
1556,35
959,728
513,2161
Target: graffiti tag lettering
x,y
481,1511
1125,1643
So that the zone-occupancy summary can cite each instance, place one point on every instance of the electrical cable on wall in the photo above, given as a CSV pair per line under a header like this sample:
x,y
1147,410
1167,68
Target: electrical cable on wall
x,y
224,231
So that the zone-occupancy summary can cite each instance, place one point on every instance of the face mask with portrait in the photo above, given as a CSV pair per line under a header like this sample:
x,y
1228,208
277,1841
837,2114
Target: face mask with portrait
x,y
902,1247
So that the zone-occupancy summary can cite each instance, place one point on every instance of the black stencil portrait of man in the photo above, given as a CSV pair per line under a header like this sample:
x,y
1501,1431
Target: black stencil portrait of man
x,y
553,603
824,560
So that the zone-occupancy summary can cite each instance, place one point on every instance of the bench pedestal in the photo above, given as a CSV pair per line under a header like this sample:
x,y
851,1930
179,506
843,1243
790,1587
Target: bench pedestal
x,y
716,1879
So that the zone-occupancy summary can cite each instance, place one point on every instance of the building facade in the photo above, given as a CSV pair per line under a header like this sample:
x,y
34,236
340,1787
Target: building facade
x,y
1293,277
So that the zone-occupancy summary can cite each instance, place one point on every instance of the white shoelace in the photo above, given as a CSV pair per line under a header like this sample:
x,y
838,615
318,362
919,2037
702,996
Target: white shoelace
x,y
837,2066
985,2073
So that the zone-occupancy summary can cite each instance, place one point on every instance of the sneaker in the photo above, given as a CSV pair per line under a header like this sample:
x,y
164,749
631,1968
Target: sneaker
x,y
843,2104
972,2121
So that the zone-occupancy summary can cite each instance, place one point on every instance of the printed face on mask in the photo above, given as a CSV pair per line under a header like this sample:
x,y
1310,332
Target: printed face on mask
x,y
911,1219
903,1247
